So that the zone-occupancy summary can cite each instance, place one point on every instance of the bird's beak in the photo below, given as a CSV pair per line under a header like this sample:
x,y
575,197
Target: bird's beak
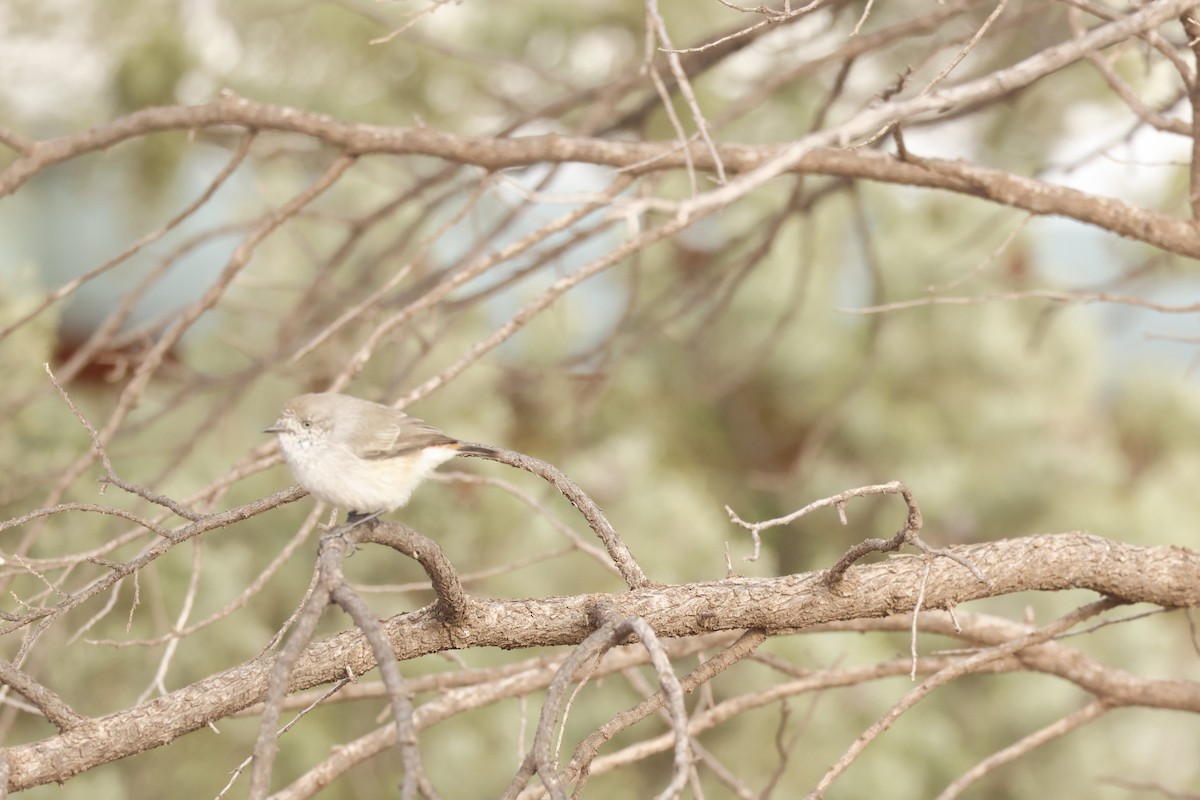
x,y
275,427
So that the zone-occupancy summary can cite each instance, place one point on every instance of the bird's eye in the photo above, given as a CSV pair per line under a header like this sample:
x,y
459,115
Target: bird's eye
x,y
306,423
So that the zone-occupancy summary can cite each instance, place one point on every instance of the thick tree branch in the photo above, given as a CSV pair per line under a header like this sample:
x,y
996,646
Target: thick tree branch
x,y
1164,575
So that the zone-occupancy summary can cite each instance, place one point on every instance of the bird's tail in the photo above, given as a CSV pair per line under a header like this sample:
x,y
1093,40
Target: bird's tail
x,y
475,449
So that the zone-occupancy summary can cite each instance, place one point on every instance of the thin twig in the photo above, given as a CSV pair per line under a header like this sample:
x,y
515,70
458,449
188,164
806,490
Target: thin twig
x,y
950,673
630,570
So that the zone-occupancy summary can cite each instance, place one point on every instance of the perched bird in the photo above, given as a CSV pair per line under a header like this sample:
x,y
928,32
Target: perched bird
x,y
360,456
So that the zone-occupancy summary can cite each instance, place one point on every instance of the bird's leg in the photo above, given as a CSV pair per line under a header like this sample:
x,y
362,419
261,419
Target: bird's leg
x,y
357,517
353,519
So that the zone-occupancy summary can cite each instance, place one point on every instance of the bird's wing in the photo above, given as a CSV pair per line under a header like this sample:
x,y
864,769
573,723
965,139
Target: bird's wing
x,y
396,434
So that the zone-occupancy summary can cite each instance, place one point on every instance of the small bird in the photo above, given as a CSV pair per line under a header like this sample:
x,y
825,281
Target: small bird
x,y
363,457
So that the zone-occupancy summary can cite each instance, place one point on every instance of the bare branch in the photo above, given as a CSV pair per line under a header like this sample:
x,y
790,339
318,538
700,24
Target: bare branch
x,y
51,705
617,550
1066,561
1054,730
1048,632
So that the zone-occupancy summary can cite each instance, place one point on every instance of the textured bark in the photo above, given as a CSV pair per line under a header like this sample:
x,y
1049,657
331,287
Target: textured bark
x,y
1164,575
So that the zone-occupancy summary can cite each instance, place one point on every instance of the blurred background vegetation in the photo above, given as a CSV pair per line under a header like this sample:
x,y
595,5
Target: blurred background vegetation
x,y
722,367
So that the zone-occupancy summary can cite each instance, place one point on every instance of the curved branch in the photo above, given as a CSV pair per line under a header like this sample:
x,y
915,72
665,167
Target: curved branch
x,y
615,630
809,155
447,584
630,570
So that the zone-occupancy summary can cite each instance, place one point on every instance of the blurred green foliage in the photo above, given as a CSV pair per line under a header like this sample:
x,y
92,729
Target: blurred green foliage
x,y
753,390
